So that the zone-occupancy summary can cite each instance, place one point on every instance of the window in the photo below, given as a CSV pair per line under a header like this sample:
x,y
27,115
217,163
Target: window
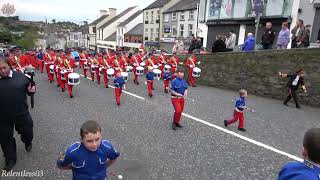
x,y
190,30
146,33
182,16
147,17
75,37
158,14
181,30
174,16
191,15
274,8
94,29
151,17
157,33
151,34
174,30
166,18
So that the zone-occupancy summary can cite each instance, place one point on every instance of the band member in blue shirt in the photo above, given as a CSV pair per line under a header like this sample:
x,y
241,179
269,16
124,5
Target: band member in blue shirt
x,y
179,91
310,168
240,105
150,77
40,57
119,85
89,158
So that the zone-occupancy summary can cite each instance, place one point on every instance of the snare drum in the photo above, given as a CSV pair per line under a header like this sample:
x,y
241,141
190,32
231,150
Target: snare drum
x,y
101,71
86,65
51,69
139,70
157,73
167,68
110,73
125,76
129,69
196,72
73,79
63,74
143,64
93,68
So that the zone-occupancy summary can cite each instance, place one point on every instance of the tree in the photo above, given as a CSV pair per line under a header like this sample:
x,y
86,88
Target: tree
x,y
28,41
8,9
53,21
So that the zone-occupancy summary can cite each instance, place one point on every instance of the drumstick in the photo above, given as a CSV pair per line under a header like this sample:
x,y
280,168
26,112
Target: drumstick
x,y
249,109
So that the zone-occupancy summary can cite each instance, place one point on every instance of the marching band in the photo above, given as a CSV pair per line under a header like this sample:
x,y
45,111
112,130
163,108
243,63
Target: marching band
x,y
60,67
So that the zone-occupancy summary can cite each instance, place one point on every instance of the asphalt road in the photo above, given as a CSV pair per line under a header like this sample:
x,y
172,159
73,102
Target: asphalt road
x,y
141,130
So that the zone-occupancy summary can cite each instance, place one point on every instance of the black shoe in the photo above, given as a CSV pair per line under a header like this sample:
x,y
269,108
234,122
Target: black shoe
x,y
284,103
9,165
152,88
178,125
51,81
298,106
150,95
63,90
118,104
107,86
174,126
225,122
242,129
194,86
58,85
71,96
28,147
137,83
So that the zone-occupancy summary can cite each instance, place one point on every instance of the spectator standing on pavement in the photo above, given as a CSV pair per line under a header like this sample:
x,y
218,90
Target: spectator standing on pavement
x,y
298,33
283,37
249,43
219,45
310,167
231,41
14,112
89,158
268,36
192,45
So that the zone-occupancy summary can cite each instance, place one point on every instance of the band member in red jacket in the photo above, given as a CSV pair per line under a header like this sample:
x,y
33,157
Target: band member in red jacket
x,y
105,64
136,60
173,62
68,65
190,64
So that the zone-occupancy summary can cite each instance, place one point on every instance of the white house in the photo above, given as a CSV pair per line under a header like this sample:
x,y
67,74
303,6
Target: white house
x,y
126,26
77,39
105,16
106,38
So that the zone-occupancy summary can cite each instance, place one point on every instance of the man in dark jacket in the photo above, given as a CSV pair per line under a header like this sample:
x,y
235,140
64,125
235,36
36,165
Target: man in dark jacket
x,y
295,81
219,45
268,37
14,112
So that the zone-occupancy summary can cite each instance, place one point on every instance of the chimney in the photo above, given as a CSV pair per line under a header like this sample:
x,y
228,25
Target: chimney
x,y
112,12
103,12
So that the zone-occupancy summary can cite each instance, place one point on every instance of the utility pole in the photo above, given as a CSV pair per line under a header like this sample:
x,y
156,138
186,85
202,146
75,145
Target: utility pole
x,y
197,19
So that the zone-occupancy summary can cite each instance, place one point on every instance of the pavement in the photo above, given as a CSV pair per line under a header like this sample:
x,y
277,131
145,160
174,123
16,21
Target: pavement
x,y
141,130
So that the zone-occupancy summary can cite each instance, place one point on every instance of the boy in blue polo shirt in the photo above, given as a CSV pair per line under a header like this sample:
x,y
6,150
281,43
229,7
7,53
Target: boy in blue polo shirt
x,y
310,168
89,158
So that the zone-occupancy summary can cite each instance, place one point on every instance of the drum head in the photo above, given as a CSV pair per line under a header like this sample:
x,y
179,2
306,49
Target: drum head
x,y
197,70
139,68
157,71
74,76
51,66
110,71
124,74
167,67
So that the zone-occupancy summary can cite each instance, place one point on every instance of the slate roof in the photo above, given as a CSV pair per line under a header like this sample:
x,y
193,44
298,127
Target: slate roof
x,y
95,22
116,17
157,4
130,18
137,30
183,5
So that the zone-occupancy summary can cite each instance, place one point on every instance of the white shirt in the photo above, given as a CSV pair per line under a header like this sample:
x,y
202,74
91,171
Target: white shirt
x,y
295,81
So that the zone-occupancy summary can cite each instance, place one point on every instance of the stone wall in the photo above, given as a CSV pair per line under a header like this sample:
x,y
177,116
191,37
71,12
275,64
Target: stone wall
x,y
257,72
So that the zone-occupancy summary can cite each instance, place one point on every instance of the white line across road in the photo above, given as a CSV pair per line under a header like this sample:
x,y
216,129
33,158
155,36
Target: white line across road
x,y
228,132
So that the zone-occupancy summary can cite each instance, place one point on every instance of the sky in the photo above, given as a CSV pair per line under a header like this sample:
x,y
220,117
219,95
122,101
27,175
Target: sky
x,y
69,10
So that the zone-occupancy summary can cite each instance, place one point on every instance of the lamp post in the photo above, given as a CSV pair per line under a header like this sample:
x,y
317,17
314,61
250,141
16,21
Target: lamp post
x,y
197,19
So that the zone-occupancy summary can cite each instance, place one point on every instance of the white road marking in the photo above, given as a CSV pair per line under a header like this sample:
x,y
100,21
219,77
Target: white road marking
x,y
229,132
